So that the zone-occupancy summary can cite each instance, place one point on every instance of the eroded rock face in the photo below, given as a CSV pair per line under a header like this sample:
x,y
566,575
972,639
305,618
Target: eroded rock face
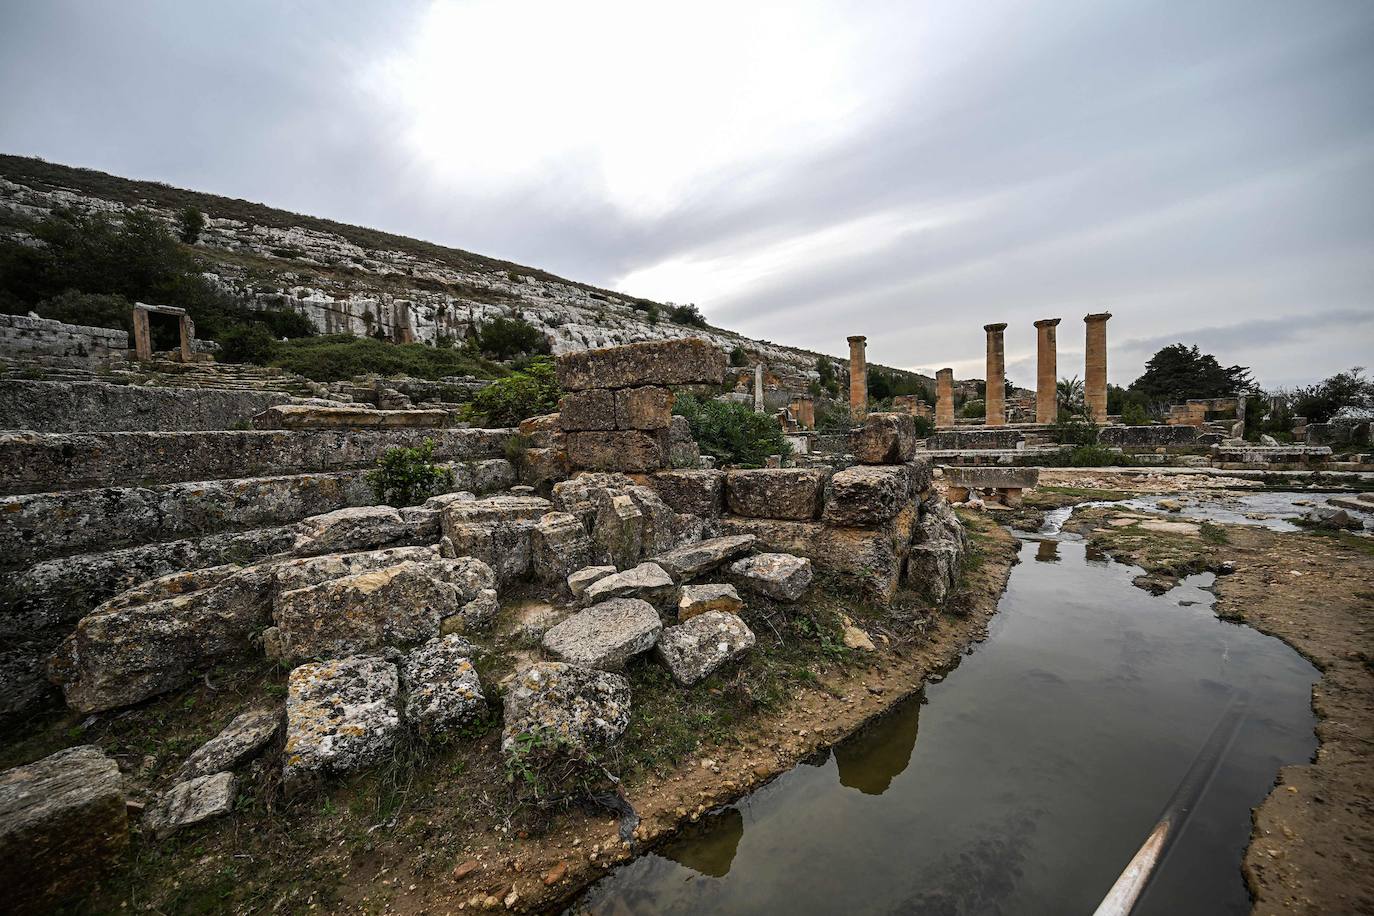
x,y
866,496
240,741
692,560
443,692
566,704
561,546
605,635
580,581
62,825
191,802
789,493
884,438
693,650
699,599
341,716
780,576
646,581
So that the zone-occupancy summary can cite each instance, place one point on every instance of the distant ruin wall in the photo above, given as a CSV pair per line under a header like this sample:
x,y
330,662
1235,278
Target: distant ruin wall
x,y
21,335
62,407
1147,436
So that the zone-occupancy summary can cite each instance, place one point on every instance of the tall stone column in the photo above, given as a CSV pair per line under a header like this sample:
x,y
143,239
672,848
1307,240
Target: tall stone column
x,y
944,398
858,377
758,388
1095,367
143,337
1046,370
996,396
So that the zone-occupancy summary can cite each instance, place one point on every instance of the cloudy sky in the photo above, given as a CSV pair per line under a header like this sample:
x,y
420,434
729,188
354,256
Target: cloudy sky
x,y
802,171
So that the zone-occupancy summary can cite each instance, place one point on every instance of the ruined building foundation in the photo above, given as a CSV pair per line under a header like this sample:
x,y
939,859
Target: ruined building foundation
x,y
1095,367
996,395
1046,370
858,377
944,398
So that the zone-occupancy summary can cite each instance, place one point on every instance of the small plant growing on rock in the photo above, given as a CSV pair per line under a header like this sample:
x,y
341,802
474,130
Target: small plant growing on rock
x,y
407,476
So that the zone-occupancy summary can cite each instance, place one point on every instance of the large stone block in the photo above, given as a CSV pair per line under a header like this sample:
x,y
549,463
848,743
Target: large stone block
x,y
567,704
443,692
991,477
587,410
647,581
355,528
619,530
866,496
498,531
698,599
605,635
695,649
648,407
561,547
630,450
933,569
681,361
582,494
697,492
662,529
790,493
683,451
691,560
884,438
341,716
309,416
953,439
780,576
63,824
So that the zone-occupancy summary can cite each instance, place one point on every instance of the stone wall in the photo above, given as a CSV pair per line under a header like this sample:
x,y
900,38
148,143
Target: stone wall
x,y
1147,436
974,438
62,407
22,335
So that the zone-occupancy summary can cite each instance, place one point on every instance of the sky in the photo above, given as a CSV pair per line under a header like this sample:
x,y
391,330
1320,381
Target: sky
x,y
801,171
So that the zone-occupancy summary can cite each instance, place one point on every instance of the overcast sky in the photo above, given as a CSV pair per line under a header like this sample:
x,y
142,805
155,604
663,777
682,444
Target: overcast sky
x,y
1203,169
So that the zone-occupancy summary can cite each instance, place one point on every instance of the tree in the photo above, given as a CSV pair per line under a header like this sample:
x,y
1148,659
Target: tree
x,y
1178,372
190,223
506,338
1319,403
1068,395
686,314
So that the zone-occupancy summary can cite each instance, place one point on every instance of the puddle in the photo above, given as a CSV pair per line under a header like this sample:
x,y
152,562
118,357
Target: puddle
x,y
1025,780
1272,510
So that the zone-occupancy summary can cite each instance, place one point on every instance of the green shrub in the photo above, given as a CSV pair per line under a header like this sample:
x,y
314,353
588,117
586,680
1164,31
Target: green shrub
x,y
249,343
1074,429
738,358
687,314
407,476
924,426
506,338
973,409
1319,403
732,433
190,223
90,309
336,357
1133,414
530,392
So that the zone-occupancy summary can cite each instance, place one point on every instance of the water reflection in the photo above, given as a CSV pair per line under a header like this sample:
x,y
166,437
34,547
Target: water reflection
x,y
708,846
1047,552
871,759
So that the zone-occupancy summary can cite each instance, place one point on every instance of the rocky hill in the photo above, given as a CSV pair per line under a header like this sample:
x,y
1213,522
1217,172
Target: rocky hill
x,y
353,280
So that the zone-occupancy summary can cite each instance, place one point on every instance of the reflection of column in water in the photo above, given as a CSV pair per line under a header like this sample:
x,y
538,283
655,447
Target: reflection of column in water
x,y
1095,555
875,756
708,847
1047,552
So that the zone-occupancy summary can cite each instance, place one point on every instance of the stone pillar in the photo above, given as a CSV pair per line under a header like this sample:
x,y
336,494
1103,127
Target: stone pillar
x,y
1095,367
1046,371
858,378
944,398
143,337
187,330
758,388
996,395
804,412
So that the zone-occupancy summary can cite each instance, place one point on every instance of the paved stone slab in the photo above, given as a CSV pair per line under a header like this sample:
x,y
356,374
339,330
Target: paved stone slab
x,y
699,599
302,416
605,635
553,701
341,716
777,575
443,692
240,741
191,802
993,477
693,650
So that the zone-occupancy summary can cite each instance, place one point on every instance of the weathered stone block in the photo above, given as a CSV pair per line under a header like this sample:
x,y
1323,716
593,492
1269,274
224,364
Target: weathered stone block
x,y
683,451
442,688
866,496
791,493
561,546
305,416
239,742
662,529
498,531
993,477
190,802
780,576
884,438
356,528
695,649
341,716
582,494
698,599
682,361
543,431
649,407
63,823
580,581
587,410
933,569
691,560
605,635
634,451
921,471
692,491
552,701
647,581
618,531
975,439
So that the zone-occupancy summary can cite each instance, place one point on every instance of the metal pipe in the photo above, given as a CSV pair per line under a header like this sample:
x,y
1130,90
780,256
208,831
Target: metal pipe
x,y
1131,886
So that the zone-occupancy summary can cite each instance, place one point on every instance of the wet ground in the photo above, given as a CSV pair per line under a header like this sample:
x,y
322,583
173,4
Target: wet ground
x,y
1023,782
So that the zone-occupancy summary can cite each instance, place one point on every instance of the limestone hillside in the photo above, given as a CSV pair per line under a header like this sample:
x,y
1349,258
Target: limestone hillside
x,y
354,280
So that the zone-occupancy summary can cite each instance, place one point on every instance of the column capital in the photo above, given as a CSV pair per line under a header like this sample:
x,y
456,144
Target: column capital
x,y
1099,316
858,338
1048,322
998,328
948,372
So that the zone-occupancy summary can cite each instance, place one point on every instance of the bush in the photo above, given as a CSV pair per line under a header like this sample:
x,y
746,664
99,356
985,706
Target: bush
x,y
531,392
924,427
505,338
338,357
250,343
1133,414
90,309
407,476
738,358
190,223
1074,429
732,433
687,314
973,409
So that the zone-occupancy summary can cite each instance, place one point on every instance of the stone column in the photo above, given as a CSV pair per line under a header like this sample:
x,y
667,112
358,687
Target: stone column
x,y
143,337
758,388
944,398
1095,367
187,330
804,412
1046,370
858,378
996,395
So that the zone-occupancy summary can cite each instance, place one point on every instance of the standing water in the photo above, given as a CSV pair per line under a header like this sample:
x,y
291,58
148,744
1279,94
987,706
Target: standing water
x,y
1043,761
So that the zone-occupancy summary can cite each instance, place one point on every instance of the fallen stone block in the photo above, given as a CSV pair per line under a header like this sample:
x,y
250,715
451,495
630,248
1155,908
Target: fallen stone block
x,y
580,411
631,450
565,704
582,494
191,802
780,576
661,528
619,530
647,581
1332,518
560,546
790,493
932,569
63,824
698,599
681,361
240,741
693,650
884,438
476,614
341,716
866,496
358,528
691,560
299,573
443,692
649,407
302,416
605,635
696,492
580,581
498,531
870,559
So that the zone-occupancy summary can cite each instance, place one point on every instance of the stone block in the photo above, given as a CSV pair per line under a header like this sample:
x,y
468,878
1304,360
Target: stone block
x,y
356,528
588,410
605,635
695,649
683,451
662,529
341,716
498,531
618,530
191,802
681,361
693,491
991,477
568,704
921,471
954,439
648,407
691,560
789,493
698,599
443,692
647,581
543,431
63,825
306,416
581,495
240,741
884,438
580,581
560,546
866,496
630,450
780,576
542,468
